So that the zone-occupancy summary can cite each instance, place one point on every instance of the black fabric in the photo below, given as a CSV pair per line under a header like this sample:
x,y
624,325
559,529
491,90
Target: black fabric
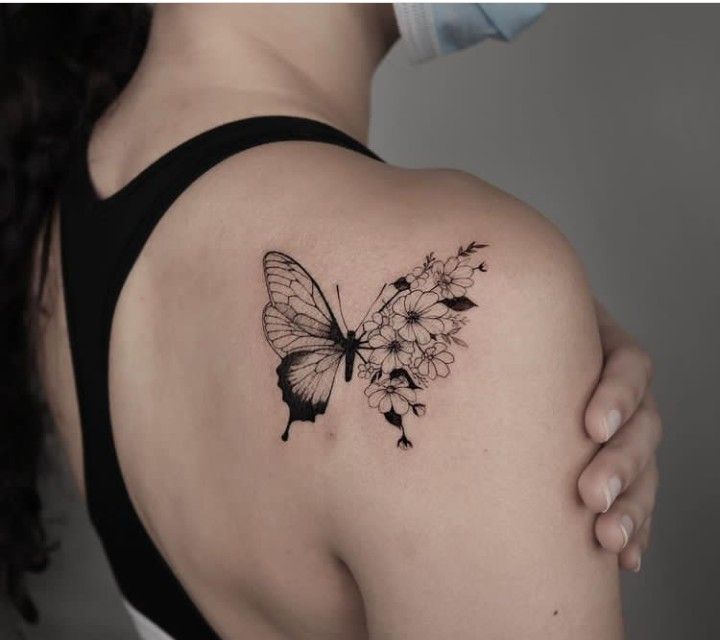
x,y
101,239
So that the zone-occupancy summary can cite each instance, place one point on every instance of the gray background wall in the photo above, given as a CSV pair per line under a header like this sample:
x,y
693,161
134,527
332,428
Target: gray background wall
x,y
606,119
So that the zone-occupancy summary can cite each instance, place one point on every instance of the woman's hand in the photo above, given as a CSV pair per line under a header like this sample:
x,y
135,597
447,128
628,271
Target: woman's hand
x,y
621,481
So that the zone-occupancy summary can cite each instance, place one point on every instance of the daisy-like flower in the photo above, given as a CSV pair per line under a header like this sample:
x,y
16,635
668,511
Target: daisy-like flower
x,y
418,315
453,277
375,321
434,361
389,350
418,278
366,370
392,394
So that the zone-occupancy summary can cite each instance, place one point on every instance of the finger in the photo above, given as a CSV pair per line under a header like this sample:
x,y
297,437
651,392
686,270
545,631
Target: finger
x,y
631,558
622,387
623,523
617,464
644,534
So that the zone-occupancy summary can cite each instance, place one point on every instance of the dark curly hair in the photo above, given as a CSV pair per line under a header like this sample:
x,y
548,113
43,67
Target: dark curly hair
x,y
60,67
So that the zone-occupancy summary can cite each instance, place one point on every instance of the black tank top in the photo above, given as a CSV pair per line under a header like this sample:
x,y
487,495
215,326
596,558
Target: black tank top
x,y
101,239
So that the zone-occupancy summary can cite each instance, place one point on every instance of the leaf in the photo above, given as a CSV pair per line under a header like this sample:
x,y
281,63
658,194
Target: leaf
x,y
470,249
401,284
418,409
459,304
404,443
402,373
444,338
376,376
482,267
395,419
462,343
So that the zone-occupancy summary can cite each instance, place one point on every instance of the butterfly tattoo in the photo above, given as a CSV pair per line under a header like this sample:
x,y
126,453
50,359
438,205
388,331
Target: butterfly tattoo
x,y
403,343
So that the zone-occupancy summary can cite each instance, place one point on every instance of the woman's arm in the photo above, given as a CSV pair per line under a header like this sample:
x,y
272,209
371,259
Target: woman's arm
x,y
478,531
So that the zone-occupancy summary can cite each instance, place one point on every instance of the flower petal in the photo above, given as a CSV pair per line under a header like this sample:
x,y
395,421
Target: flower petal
x,y
407,393
456,291
399,404
407,346
425,300
376,340
375,398
437,310
404,357
389,363
432,325
445,356
421,333
411,300
406,331
385,403
441,368
398,321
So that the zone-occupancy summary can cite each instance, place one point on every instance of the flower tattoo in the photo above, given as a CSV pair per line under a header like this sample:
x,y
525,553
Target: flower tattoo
x,y
403,343
453,277
434,361
390,350
418,316
391,394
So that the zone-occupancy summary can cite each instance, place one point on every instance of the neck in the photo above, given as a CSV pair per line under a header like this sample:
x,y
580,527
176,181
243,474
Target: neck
x,y
314,60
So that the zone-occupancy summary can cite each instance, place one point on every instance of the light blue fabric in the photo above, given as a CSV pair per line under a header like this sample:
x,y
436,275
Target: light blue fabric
x,y
435,29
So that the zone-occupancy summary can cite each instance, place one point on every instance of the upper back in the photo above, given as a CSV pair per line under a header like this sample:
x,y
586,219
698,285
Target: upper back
x,y
256,528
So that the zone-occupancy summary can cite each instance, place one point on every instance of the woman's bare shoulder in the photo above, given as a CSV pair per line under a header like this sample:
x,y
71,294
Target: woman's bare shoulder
x,y
470,332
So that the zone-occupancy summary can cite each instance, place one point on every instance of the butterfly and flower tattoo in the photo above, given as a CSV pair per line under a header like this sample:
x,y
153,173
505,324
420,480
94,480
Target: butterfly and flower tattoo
x,y
404,342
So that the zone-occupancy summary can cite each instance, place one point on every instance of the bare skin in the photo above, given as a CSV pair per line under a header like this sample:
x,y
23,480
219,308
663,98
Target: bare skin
x,y
327,535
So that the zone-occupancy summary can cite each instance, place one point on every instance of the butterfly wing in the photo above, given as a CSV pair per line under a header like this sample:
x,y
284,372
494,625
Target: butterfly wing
x,y
301,328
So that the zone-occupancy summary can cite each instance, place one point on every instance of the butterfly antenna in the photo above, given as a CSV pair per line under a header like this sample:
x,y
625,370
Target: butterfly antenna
x,y
342,315
370,308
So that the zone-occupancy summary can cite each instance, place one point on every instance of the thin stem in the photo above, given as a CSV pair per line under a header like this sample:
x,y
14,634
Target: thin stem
x,y
342,315
388,301
371,306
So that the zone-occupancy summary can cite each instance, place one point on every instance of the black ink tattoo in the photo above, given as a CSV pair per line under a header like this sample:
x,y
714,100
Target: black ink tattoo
x,y
403,342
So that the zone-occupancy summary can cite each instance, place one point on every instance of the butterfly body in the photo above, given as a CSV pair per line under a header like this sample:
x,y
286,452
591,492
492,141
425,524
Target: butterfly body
x,y
351,344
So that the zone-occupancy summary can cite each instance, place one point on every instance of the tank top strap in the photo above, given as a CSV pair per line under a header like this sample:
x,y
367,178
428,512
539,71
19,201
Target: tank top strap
x,y
146,198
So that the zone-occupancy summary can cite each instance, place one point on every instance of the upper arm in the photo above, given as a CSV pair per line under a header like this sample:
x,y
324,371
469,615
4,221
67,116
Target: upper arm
x,y
477,530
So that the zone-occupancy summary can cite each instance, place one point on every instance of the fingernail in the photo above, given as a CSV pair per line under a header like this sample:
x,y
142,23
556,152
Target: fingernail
x,y
612,491
626,526
636,569
612,423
